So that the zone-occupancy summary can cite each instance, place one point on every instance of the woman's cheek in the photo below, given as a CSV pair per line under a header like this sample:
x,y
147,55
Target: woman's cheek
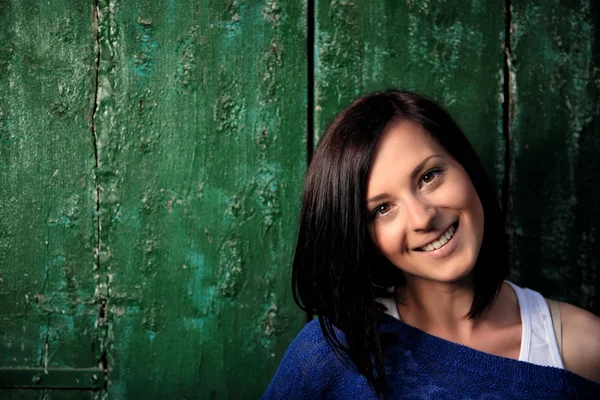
x,y
458,191
390,239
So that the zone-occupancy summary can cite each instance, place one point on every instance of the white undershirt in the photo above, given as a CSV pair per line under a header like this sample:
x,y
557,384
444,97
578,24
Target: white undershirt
x,y
538,342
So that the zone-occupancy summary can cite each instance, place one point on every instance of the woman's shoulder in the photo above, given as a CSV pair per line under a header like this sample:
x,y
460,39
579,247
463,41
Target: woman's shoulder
x,y
309,368
309,343
581,341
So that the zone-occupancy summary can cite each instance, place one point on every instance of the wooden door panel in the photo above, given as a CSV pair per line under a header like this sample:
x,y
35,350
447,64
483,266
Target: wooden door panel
x,y
554,182
201,137
48,226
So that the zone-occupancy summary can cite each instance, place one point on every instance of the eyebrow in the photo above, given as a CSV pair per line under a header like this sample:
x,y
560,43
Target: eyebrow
x,y
413,175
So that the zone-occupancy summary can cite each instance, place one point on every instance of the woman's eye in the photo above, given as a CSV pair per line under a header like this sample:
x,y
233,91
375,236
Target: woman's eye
x,y
381,210
430,176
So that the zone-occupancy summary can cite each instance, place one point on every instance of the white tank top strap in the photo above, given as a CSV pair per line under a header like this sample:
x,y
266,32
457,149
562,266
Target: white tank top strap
x,y
556,323
391,308
538,342
525,322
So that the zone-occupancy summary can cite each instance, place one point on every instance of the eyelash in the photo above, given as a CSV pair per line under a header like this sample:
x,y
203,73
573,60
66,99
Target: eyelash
x,y
436,171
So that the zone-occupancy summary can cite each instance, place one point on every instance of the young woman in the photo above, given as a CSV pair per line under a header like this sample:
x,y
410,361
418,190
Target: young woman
x,y
401,254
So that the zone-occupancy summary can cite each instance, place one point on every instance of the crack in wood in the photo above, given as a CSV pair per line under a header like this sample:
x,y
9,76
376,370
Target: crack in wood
x,y
102,314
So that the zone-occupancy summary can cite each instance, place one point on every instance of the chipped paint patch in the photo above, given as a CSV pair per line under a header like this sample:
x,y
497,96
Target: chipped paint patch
x,y
272,12
231,274
232,17
227,114
145,59
186,75
268,195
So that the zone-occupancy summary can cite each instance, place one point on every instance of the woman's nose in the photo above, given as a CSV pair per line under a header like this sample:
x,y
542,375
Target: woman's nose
x,y
420,214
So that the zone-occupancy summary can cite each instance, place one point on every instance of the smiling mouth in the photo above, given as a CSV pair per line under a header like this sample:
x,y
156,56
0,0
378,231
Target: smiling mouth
x,y
440,241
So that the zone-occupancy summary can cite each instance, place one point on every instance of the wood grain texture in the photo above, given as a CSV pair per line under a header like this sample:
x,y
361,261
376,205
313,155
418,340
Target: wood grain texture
x,y
201,148
555,130
48,308
439,48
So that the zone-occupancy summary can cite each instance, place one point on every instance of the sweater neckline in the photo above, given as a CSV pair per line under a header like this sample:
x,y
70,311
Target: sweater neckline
x,y
392,310
454,354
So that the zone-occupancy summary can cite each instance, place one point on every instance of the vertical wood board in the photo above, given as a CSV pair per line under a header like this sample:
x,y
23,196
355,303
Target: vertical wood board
x,y
201,139
555,131
48,229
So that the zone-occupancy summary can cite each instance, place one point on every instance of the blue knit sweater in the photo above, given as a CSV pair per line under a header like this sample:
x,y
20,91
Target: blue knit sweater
x,y
419,366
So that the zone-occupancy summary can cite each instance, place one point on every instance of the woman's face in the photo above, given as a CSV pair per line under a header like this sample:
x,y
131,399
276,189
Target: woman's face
x,y
426,216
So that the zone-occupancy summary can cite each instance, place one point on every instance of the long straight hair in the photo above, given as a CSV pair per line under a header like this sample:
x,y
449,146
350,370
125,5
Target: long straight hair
x,y
337,272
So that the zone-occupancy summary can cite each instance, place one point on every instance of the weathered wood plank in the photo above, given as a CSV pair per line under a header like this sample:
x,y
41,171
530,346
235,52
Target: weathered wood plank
x,y
47,224
555,129
439,48
201,142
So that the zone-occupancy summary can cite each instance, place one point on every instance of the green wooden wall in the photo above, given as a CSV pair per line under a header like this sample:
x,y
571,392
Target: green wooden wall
x,y
152,156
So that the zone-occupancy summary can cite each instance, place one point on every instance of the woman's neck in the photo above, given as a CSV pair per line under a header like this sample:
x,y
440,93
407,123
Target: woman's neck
x,y
438,308
441,309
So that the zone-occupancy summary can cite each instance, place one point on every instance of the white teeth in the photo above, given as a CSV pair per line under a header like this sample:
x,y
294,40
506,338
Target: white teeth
x,y
439,242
